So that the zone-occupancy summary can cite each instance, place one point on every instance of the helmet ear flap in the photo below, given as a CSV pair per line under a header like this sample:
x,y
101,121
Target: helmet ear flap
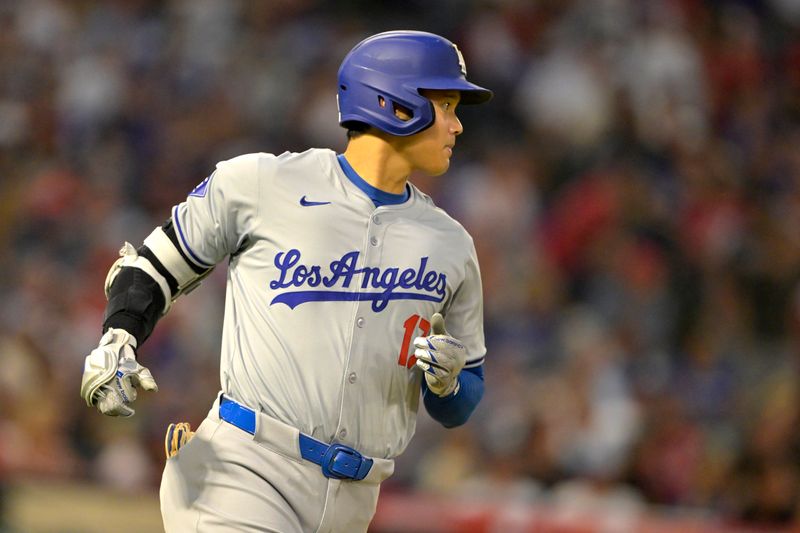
x,y
402,112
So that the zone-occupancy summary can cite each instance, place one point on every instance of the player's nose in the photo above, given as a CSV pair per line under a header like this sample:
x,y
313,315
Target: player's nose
x,y
456,128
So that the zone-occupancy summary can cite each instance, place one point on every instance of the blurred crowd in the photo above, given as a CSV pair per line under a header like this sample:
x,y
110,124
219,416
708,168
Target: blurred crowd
x,y
633,190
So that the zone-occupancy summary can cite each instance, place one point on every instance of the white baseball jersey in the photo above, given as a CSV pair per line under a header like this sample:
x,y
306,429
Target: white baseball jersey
x,y
326,293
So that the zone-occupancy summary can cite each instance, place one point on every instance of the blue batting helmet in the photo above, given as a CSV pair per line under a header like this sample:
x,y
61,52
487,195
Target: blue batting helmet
x,y
389,69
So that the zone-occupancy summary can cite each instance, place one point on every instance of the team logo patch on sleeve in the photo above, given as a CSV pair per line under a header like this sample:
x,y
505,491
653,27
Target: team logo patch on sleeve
x,y
202,187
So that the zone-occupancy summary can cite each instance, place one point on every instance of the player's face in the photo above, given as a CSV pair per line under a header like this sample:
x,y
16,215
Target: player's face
x,y
431,149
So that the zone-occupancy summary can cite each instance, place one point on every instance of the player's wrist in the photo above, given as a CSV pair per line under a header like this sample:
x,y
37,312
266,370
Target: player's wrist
x,y
443,390
129,323
118,335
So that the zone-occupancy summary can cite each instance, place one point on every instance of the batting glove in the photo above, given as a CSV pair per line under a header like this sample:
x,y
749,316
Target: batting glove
x,y
111,374
441,357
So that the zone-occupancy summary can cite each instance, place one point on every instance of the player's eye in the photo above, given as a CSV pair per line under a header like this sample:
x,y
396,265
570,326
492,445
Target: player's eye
x,y
447,103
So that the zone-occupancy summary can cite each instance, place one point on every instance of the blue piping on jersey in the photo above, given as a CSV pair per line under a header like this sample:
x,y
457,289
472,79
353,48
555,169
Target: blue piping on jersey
x,y
475,363
183,239
377,196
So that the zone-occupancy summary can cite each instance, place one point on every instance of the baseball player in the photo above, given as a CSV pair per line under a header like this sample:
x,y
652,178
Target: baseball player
x,y
348,293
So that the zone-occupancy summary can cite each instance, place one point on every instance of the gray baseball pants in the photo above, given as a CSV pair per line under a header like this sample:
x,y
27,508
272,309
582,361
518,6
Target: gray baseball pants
x,y
225,479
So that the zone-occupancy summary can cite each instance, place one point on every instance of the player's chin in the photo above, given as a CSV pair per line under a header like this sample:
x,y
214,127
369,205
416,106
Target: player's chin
x,y
437,168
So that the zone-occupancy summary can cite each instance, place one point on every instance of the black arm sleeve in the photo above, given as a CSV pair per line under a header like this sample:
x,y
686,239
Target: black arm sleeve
x,y
135,300
135,303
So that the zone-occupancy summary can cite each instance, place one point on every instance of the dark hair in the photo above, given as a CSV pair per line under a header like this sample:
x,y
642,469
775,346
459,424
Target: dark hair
x,y
355,129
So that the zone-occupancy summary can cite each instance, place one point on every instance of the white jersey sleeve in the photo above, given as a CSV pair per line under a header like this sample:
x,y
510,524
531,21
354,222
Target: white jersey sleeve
x,y
219,214
464,318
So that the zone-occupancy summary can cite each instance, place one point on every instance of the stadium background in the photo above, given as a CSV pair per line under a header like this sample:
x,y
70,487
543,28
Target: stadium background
x,y
634,194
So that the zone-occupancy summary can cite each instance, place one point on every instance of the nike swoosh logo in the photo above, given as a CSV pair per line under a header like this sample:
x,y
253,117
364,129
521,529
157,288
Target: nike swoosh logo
x,y
309,203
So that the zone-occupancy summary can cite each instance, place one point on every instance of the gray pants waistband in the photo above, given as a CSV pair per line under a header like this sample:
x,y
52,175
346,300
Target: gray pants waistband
x,y
285,439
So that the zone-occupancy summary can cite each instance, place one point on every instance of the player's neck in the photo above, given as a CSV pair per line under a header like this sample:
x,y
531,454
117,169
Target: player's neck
x,y
378,163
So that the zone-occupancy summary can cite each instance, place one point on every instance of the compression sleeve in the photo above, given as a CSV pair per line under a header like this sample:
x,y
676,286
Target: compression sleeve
x,y
454,410
135,303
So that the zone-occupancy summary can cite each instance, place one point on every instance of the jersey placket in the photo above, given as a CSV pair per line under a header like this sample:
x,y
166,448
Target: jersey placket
x,y
363,330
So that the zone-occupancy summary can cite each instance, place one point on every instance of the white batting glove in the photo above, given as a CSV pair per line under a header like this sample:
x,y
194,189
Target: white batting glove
x,y
441,357
111,374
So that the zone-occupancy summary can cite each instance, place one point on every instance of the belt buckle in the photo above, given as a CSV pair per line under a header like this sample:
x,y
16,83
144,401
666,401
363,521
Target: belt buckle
x,y
341,462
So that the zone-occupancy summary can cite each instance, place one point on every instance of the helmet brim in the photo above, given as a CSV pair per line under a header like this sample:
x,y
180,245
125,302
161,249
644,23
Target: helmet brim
x,y
471,94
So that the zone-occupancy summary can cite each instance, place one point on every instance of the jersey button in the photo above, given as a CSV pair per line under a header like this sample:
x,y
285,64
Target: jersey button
x,y
342,433
373,241
352,377
360,322
376,220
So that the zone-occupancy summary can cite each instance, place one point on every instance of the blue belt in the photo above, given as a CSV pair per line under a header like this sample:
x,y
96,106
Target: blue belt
x,y
337,460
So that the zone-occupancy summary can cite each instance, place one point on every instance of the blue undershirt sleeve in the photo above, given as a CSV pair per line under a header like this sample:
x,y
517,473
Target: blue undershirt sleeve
x,y
454,410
